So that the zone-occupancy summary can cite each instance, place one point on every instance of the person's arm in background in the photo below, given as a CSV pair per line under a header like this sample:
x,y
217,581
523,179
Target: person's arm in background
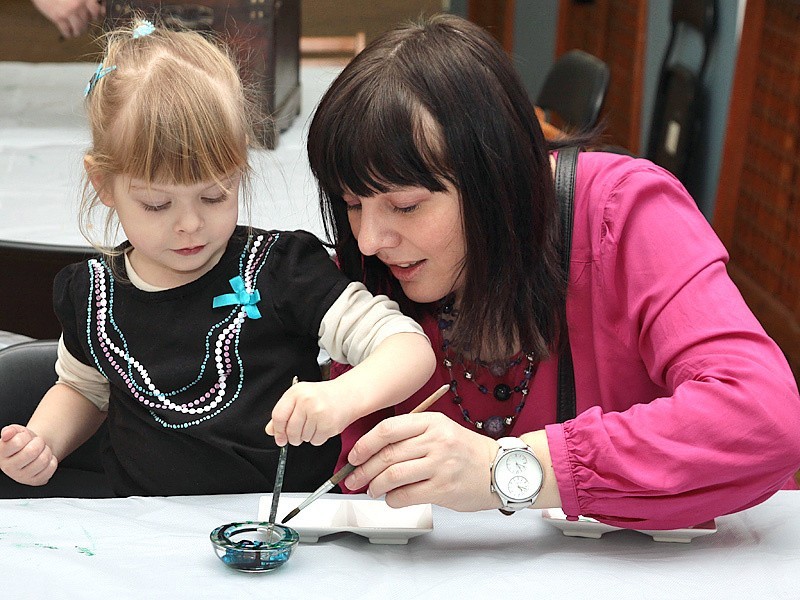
x,y
72,17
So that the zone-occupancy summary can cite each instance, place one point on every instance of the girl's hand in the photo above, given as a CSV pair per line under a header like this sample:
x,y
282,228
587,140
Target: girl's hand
x,y
425,457
311,412
24,456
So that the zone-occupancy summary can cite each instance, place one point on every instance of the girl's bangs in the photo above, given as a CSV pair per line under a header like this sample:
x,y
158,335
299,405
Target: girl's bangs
x,y
196,138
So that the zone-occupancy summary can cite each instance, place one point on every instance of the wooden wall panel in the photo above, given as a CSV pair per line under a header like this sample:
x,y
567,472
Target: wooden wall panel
x,y
758,205
497,16
616,32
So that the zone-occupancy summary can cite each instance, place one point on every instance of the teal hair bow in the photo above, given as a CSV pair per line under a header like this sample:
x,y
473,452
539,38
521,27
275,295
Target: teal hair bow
x,y
240,296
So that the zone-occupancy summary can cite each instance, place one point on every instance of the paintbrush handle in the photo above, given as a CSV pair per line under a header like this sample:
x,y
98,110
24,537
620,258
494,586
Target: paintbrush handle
x,y
341,474
279,473
276,489
425,404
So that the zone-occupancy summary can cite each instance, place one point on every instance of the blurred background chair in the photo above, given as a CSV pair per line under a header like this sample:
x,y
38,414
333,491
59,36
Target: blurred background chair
x,y
574,91
680,102
27,371
26,283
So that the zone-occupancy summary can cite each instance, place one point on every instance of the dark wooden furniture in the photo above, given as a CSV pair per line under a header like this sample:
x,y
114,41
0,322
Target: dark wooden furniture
x,y
497,16
757,212
26,285
615,31
265,34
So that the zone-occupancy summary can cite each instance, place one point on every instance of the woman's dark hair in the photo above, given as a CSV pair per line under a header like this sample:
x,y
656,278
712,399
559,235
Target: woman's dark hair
x,y
434,102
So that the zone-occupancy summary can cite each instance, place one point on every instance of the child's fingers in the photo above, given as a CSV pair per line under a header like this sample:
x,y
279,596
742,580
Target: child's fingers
x,y
40,470
14,438
320,437
281,414
29,453
10,431
294,428
309,430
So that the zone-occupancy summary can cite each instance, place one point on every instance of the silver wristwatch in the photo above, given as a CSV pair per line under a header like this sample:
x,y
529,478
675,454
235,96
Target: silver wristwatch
x,y
517,474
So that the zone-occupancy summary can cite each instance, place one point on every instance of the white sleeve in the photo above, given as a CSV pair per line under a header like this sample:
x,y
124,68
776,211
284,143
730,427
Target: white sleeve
x,y
357,322
85,380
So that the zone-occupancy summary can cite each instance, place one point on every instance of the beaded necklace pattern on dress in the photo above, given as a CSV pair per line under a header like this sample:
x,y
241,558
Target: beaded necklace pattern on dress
x,y
109,347
494,426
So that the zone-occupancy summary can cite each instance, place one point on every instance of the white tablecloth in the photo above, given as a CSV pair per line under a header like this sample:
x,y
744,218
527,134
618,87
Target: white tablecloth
x,y
159,548
44,134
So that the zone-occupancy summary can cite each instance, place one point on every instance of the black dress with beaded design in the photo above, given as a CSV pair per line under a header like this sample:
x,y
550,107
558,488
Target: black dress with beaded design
x,y
195,371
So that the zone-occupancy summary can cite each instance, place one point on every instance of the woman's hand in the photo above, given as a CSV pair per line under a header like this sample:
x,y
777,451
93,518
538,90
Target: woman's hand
x,y
25,457
426,457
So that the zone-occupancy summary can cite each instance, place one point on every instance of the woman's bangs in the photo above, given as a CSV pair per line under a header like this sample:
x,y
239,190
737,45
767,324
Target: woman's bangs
x,y
380,145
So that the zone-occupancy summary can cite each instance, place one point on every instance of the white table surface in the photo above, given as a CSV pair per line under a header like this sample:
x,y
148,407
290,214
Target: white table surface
x,y
160,548
44,134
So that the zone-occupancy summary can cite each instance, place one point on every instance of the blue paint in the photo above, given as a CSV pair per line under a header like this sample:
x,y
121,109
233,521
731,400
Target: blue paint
x,y
254,547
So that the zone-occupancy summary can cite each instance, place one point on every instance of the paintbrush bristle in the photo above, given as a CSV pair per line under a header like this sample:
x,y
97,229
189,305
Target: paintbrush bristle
x,y
291,515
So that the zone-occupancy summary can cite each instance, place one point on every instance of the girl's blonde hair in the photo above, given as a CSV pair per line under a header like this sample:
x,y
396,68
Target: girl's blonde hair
x,y
173,110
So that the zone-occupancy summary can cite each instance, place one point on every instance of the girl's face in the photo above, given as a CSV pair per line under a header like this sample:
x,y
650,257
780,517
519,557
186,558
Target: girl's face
x,y
418,234
178,232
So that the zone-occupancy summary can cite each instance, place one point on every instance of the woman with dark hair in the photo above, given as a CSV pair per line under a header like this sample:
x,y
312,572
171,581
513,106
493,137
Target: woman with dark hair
x,y
436,185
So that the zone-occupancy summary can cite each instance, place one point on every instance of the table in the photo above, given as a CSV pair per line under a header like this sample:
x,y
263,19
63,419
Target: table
x,y
44,134
159,548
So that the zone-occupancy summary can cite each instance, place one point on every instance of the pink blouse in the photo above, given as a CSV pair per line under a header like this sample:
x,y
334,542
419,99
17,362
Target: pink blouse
x,y
687,410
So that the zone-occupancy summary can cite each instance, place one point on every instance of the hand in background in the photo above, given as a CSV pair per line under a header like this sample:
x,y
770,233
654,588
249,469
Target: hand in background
x,y
25,457
72,17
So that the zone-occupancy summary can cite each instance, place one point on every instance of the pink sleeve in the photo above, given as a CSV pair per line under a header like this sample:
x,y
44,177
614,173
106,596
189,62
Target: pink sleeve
x,y
726,436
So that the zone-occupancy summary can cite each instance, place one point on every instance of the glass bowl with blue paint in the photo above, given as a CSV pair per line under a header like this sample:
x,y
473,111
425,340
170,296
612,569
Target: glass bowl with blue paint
x,y
253,546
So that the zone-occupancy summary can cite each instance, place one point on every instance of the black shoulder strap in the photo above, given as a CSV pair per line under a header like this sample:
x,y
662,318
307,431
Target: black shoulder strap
x,y
566,164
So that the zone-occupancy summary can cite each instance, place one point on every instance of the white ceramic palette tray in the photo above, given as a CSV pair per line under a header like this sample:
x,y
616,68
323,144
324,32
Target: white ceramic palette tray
x,y
591,528
373,519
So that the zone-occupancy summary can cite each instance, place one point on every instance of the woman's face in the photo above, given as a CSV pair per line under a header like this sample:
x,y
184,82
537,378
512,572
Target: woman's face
x,y
418,234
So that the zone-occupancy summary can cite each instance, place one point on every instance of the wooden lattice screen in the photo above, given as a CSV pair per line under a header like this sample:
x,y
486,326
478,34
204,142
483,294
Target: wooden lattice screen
x,y
616,32
757,212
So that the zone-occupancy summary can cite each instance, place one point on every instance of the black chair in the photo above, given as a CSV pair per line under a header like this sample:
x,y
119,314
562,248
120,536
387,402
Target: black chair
x,y
681,99
26,283
574,90
27,371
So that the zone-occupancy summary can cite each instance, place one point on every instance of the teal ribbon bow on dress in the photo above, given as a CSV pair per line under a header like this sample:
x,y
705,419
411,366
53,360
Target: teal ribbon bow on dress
x,y
240,296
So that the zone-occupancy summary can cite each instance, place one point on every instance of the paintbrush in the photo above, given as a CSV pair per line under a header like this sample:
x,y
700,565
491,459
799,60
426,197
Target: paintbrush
x,y
348,468
276,489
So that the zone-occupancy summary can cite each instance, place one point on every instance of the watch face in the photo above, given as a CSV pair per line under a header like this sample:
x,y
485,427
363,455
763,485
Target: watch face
x,y
518,475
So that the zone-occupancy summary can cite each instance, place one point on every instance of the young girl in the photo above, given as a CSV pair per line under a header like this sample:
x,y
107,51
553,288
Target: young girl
x,y
187,335
438,186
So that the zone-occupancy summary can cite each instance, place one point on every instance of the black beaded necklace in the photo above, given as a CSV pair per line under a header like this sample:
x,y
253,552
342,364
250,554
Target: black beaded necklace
x,y
495,426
